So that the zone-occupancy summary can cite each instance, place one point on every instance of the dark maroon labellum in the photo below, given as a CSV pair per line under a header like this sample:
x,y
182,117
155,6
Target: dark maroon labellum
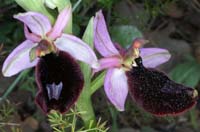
x,y
156,93
59,80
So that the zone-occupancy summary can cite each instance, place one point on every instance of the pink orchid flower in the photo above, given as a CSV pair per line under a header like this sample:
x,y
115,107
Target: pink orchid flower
x,y
131,70
54,54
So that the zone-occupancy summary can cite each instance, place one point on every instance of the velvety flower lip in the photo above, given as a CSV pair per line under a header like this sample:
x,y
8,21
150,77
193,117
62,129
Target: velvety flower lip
x,y
157,94
59,80
116,62
58,75
41,29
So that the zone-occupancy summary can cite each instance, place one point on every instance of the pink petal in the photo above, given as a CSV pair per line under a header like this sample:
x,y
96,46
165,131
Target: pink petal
x,y
109,62
31,36
116,87
78,49
36,22
153,57
18,59
61,22
102,39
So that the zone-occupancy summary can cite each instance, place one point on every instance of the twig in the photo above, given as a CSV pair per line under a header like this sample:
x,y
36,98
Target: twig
x,y
7,8
9,124
76,5
197,3
86,9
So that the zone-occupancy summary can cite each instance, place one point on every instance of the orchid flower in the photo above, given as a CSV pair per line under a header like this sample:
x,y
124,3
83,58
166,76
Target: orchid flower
x,y
132,70
54,54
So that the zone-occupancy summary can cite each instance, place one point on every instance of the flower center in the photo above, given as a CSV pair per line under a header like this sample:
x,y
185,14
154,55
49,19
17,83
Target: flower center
x,y
43,48
132,53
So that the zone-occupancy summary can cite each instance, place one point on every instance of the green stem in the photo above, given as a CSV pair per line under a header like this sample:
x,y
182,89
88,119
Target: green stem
x,y
84,103
12,86
97,83
84,106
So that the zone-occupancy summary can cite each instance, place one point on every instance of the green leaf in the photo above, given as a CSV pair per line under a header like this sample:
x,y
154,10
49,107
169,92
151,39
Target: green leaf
x,y
38,6
68,28
60,4
125,34
88,36
187,73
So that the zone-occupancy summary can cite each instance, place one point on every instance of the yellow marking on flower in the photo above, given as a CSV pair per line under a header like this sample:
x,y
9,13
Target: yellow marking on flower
x,y
195,94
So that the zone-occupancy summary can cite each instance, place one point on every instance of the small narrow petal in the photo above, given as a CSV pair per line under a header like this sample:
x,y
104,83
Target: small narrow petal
x,y
153,57
116,87
78,49
102,39
31,36
61,23
19,59
36,22
109,62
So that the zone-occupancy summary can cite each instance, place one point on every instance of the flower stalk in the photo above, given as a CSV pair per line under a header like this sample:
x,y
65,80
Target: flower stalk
x,y
84,102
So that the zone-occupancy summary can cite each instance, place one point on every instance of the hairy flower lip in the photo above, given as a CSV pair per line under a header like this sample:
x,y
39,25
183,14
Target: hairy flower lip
x,y
157,94
72,80
176,113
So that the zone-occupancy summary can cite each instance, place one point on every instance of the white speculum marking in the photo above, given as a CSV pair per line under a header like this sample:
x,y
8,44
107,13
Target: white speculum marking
x,y
134,64
54,90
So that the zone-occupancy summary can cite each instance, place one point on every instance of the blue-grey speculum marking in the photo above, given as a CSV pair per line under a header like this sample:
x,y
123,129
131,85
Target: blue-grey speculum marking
x,y
54,90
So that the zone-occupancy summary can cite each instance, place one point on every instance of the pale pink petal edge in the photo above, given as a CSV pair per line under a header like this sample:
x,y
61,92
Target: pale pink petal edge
x,y
116,87
102,40
18,59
